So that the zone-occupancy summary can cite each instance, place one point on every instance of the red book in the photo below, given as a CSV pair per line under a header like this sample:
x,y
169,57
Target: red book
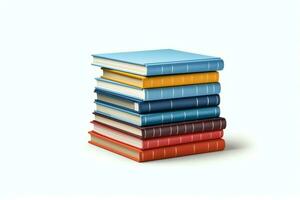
x,y
157,153
123,137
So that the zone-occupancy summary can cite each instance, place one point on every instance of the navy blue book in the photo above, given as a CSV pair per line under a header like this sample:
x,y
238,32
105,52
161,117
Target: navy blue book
x,y
152,94
158,62
155,118
138,106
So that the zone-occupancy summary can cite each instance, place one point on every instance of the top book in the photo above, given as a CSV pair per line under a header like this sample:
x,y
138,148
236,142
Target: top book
x,y
158,62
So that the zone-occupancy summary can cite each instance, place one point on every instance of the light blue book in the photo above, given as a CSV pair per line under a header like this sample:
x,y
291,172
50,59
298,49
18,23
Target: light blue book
x,y
156,118
158,62
151,94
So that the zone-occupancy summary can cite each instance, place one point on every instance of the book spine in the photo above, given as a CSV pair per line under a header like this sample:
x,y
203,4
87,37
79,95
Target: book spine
x,y
182,150
182,91
181,139
184,128
182,79
177,104
180,115
189,67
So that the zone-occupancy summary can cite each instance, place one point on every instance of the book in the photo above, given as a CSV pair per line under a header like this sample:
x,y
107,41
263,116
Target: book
x,y
156,118
163,130
139,106
159,81
151,94
158,62
157,153
121,136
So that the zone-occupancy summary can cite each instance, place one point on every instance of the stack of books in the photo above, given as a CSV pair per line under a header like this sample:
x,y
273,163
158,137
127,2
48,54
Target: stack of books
x,y
158,104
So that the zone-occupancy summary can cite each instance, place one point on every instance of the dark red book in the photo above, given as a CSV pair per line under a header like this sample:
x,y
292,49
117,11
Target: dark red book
x,y
163,130
157,153
120,136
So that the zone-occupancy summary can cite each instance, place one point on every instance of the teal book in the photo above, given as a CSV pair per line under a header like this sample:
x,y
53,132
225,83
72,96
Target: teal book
x,y
134,118
158,62
151,94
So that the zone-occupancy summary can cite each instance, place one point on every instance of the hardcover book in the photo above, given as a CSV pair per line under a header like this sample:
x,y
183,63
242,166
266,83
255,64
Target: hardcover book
x,y
159,81
121,136
163,130
139,106
158,62
152,94
156,118
157,153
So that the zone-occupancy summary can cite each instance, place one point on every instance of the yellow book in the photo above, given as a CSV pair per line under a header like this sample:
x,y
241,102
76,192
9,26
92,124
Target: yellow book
x,y
160,81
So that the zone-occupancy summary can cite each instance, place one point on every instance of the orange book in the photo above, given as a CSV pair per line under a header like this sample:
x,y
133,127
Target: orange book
x,y
160,81
156,153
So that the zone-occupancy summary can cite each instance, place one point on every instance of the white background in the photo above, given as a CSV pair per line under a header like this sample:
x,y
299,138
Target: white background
x,y
46,85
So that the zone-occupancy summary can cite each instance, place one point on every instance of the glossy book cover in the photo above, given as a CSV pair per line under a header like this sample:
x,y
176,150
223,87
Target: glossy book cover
x,y
158,62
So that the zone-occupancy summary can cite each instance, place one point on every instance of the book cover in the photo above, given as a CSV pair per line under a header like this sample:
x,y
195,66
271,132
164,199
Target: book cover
x,y
156,153
123,137
139,106
156,118
152,94
159,81
158,62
